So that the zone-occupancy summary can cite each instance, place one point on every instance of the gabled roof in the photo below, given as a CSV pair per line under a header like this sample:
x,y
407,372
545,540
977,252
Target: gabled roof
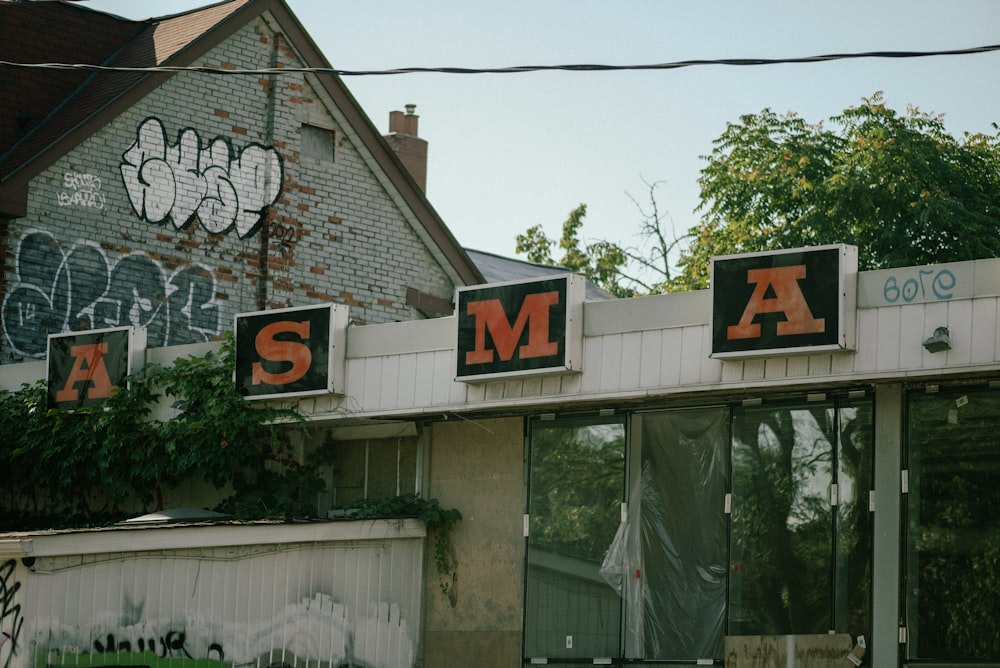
x,y
47,112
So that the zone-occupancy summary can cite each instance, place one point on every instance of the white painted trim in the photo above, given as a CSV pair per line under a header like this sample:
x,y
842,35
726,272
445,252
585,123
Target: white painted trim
x,y
173,537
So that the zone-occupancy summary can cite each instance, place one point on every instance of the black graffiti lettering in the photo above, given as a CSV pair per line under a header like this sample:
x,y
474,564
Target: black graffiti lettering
x,y
11,620
217,648
194,315
58,292
174,642
284,236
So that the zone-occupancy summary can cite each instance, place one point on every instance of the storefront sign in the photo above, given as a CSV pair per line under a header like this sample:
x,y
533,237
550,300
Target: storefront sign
x,y
290,352
519,328
783,302
87,368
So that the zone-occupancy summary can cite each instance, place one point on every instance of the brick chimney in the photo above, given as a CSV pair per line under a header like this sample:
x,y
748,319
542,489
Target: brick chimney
x,y
409,148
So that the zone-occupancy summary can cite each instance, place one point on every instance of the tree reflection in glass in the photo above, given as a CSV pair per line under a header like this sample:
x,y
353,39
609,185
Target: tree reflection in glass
x,y
784,557
575,489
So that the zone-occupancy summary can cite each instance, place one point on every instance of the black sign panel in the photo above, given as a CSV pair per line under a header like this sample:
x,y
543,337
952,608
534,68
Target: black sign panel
x,y
87,368
284,352
512,328
778,301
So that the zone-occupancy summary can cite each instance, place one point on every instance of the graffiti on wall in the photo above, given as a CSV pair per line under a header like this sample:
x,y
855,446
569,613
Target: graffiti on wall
x,y
11,621
185,180
316,630
81,190
56,291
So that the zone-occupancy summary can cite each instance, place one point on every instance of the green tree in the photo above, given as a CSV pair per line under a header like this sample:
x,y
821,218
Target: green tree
x,y
621,270
898,186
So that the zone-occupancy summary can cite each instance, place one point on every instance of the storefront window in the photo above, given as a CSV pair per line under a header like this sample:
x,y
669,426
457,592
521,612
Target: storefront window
x,y
953,534
685,475
575,490
800,556
677,574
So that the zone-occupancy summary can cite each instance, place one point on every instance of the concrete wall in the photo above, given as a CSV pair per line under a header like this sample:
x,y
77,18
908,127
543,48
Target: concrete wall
x,y
155,220
477,466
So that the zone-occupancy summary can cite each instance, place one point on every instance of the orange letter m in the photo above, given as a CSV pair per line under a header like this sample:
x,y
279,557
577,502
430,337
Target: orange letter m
x,y
534,314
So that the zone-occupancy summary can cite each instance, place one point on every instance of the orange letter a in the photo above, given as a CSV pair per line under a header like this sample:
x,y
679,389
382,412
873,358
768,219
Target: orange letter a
x,y
88,367
787,299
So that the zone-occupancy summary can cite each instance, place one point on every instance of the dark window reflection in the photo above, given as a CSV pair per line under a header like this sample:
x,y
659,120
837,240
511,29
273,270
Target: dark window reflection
x,y
575,491
796,565
953,536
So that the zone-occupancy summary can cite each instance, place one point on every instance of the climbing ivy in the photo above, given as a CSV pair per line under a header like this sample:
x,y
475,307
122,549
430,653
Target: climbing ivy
x,y
97,464
439,522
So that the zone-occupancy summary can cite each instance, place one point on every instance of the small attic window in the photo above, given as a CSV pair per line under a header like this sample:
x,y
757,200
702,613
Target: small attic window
x,y
317,143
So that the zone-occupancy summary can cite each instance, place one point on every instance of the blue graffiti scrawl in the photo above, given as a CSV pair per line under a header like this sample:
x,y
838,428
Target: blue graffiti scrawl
x,y
184,181
56,291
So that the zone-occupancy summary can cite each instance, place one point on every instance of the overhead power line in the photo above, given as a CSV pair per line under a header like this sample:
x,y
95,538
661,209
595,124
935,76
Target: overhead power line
x,y
520,69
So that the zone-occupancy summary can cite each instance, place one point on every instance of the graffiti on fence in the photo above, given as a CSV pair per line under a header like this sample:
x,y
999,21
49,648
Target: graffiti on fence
x,y
314,630
11,620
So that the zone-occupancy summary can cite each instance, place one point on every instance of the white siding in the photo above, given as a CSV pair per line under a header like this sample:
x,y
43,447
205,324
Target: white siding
x,y
651,361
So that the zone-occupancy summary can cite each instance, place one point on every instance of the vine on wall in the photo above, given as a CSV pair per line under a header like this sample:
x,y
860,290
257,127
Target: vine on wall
x,y
95,465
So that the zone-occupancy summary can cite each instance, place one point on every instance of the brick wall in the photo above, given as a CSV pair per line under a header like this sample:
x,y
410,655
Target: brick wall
x,y
105,241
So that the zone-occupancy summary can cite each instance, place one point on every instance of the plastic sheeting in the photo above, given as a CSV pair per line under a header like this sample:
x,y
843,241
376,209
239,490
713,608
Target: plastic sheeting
x,y
677,585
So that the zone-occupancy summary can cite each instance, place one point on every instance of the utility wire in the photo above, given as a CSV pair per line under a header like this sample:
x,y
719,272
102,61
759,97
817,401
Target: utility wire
x,y
740,62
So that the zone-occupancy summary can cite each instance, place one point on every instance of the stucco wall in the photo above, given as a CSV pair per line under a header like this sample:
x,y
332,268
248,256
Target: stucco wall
x,y
155,220
477,466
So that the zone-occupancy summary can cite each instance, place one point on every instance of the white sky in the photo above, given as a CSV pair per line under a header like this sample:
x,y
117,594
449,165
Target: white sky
x,y
508,151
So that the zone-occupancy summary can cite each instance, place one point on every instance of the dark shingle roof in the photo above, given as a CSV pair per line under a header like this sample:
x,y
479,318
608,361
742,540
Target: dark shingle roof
x,y
46,112
498,269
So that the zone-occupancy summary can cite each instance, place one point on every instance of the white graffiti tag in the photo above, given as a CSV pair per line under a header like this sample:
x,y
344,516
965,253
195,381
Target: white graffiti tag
x,y
184,181
81,190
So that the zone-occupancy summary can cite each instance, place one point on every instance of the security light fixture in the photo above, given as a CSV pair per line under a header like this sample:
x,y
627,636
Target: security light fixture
x,y
938,341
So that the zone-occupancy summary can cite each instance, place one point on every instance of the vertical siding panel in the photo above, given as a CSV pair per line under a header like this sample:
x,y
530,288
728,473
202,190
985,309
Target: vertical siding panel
x,y
354,377
452,391
711,369
631,354
776,368
864,358
753,370
911,326
960,323
691,354
569,384
423,382
798,365
887,343
389,385
372,383
407,383
996,344
554,384
531,387
671,349
650,358
611,362
982,347
732,371
593,350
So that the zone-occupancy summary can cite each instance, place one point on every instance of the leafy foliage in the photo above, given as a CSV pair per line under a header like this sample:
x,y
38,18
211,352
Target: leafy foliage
x,y
92,465
619,270
898,186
